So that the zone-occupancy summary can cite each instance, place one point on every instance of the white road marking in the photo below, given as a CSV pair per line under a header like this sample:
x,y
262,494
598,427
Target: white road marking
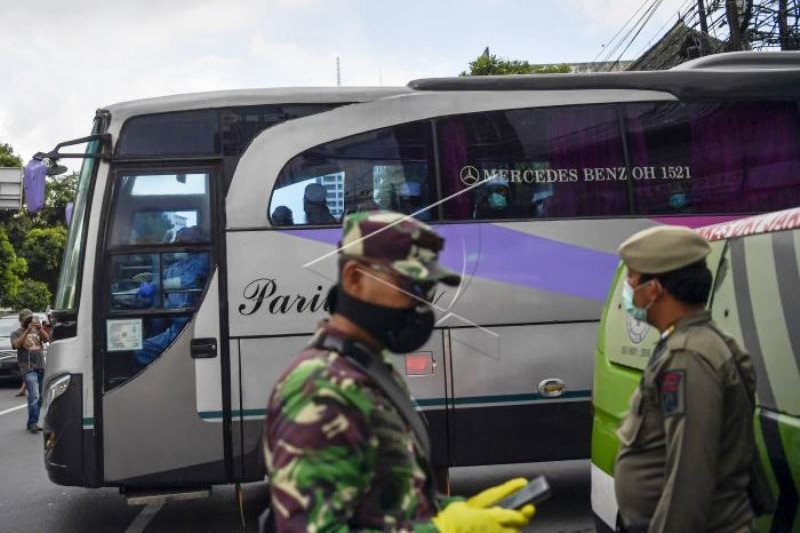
x,y
144,518
17,408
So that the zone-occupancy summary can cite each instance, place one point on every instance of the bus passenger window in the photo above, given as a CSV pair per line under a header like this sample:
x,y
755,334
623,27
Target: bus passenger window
x,y
153,208
531,163
158,281
282,216
714,157
391,168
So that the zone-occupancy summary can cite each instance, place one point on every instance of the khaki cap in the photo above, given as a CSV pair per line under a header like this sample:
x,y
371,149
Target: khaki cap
x,y
663,249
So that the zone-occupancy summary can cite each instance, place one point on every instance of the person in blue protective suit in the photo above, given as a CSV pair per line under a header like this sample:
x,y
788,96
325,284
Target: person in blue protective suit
x,y
182,282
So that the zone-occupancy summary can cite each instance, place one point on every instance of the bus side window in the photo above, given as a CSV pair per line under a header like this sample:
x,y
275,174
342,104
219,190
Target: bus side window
x,y
710,158
390,168
152,208
548,162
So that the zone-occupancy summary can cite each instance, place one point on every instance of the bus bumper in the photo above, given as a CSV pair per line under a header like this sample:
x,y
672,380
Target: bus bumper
x,y
68,448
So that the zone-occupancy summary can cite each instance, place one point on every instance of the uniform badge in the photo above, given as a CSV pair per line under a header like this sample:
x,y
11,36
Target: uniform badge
x,y
671,390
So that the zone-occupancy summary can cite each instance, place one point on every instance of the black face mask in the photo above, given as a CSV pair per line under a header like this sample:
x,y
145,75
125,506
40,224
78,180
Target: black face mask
x,y
400,330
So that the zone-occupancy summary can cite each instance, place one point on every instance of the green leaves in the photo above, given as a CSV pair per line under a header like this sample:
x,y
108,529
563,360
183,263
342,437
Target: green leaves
x,y
7,156
12,269
490,65
33,244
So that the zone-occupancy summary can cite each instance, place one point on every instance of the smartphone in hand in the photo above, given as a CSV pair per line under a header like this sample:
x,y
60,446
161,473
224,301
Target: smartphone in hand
x,y
535,492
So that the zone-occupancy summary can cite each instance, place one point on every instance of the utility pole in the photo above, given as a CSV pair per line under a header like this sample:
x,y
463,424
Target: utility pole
x,y
338,72
701,11
738,13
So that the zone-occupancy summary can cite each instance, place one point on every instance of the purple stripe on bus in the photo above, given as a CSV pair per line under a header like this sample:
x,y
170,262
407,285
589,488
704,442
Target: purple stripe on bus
x,y
515,258
518,258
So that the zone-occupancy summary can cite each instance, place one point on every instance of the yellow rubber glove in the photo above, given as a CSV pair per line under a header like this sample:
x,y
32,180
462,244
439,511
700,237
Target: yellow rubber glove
x,y
459,517
493,495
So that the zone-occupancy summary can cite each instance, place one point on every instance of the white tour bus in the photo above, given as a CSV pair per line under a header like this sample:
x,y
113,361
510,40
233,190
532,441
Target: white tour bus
x,y
205,228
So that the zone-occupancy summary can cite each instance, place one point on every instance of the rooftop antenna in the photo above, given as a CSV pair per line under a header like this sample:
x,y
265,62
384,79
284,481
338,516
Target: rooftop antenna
x,y
338,72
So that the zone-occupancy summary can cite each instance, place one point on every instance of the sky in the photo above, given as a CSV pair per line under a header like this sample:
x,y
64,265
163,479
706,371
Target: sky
x,y
63,59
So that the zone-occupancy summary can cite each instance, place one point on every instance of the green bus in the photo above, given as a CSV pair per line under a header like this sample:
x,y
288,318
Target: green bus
x,y
756,299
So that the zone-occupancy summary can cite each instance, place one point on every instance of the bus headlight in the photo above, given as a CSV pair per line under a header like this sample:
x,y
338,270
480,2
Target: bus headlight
x,y
55,388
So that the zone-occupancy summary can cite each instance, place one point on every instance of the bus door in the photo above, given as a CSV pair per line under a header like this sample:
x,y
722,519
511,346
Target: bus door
x,y
158,341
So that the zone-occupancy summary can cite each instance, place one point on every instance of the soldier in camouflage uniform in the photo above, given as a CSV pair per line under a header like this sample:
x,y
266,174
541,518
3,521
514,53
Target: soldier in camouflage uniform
x,y
687,443
340,454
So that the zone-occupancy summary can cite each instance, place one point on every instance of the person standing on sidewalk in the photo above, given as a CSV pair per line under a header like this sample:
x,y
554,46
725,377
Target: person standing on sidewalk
x,y
29,342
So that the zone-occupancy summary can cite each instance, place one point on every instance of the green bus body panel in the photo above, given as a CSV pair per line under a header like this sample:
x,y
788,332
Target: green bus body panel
x,y
624,347
613,383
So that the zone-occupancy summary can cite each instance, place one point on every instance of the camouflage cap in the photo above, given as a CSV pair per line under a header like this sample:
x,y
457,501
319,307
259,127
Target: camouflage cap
x,y
24,314
663,249
403,243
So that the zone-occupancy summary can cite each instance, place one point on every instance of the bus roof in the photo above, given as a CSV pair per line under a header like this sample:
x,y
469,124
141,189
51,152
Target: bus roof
x,y
248,97
777,221
744,75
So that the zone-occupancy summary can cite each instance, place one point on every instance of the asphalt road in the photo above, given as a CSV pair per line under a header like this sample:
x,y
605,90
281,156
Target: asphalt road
x,y
30,503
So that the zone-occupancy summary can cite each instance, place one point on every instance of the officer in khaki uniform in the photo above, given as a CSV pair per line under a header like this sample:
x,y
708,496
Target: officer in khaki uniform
x,y
687,442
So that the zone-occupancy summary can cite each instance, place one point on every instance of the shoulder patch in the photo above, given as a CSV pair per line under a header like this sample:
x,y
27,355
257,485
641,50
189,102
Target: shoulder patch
x,y
671,391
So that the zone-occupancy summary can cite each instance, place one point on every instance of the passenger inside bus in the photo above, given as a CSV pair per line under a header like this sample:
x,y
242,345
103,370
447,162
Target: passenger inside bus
x,y
315,205
494,201
182,283
282,216
410,200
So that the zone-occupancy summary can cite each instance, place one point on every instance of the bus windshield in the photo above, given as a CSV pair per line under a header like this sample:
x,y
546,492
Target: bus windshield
x,y
68,280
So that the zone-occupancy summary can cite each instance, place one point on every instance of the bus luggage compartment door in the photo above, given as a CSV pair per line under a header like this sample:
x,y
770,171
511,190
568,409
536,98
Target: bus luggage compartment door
x,y
497,373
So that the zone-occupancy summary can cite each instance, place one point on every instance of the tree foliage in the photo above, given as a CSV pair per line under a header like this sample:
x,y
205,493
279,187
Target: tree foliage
x,y
488,64
43,249
12,269
59,191
33,294
7,156
33,244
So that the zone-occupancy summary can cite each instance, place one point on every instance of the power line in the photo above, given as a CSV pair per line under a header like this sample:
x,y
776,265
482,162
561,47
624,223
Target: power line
x,y
657,33
610,51
603,48
652,12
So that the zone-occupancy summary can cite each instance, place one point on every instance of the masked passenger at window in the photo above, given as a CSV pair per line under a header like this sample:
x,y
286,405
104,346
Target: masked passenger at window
x,y
315,206
495,201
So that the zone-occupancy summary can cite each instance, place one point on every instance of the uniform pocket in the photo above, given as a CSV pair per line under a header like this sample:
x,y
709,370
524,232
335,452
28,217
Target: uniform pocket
x,y
629,429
